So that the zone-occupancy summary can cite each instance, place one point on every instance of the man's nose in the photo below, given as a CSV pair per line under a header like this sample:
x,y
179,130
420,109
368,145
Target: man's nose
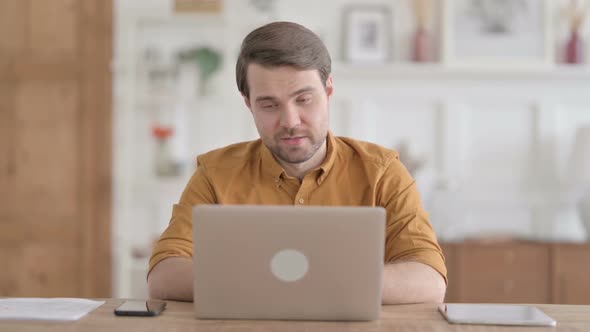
x,y
290,117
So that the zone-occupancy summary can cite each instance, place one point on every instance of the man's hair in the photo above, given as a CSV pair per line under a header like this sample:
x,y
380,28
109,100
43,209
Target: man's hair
x,y
282,44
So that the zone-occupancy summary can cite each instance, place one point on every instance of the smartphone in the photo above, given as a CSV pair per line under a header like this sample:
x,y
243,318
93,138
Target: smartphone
x,y
140,308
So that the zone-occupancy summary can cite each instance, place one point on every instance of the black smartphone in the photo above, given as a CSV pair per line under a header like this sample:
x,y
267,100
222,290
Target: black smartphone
x,y
140,308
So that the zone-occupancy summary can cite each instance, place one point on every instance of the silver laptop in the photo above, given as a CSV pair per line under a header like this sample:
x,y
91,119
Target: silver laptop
x,y
287,262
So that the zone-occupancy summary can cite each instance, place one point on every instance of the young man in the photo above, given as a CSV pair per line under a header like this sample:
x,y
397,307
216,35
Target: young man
x,y
283,74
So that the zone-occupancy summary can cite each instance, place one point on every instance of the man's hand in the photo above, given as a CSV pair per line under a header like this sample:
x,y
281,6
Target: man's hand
x,y
412,282
172,279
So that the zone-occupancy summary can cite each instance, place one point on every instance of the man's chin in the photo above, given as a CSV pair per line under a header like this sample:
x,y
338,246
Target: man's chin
x,y
292,158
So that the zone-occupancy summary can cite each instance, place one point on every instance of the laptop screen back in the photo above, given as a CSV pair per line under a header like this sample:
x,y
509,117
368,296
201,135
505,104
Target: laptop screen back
x,y
286,262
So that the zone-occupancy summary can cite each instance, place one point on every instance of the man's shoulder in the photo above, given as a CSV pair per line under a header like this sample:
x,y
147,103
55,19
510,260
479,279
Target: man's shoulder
x,y
230,156
365,151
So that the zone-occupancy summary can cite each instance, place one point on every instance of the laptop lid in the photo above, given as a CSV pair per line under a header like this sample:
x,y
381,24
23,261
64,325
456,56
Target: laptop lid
x,y
286,262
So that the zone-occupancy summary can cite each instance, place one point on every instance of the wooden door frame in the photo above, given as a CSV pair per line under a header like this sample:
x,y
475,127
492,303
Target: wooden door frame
x,y
90,70
96,22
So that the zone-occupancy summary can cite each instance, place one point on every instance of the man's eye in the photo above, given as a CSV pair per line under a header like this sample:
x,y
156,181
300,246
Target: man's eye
x,y
268,106
304,100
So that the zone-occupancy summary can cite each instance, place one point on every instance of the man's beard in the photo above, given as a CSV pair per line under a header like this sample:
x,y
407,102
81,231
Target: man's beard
x,y
283,153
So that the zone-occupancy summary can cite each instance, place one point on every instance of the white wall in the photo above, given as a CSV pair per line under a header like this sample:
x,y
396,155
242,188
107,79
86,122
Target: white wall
x,y
496,143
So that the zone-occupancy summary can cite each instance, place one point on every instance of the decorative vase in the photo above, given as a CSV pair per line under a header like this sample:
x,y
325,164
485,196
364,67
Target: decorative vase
x,y
165,165
421,49
574,49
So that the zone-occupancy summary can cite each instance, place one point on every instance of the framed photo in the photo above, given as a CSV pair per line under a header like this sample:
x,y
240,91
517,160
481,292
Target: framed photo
x,y
367,34
487,33
198,6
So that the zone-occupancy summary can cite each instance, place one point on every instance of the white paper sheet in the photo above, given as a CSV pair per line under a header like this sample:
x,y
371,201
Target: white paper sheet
x,y
59,309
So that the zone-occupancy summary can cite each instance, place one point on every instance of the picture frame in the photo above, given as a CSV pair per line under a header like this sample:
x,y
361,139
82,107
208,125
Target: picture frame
x,y
490,33
367,34
198,6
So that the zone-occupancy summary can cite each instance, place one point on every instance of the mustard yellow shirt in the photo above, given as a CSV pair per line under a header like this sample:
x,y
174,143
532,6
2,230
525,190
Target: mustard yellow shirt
x,y
354,173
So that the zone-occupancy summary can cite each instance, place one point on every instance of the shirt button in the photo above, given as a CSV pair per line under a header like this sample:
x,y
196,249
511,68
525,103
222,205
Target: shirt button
x,y
301,201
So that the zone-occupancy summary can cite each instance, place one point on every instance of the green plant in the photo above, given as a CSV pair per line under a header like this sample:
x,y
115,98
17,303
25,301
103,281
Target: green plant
x,y
207,59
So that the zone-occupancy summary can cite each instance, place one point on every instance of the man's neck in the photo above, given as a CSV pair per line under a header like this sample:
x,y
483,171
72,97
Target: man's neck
x,y
300,169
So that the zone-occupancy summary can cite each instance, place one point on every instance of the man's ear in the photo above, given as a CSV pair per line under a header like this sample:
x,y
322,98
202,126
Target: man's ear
x,y
329,86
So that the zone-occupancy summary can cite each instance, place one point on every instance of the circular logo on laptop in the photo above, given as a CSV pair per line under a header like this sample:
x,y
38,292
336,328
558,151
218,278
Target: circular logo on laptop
x,y
289,265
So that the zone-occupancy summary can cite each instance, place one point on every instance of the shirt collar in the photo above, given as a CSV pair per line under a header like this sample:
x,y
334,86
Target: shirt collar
x,y
269,163
331,153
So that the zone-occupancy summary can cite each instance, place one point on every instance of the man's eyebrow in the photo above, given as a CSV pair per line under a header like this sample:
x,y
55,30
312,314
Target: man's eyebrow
x,y
264,98
302,90
298,92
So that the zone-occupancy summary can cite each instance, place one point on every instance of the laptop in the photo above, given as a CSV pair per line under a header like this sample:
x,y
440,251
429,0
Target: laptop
x,y
287,262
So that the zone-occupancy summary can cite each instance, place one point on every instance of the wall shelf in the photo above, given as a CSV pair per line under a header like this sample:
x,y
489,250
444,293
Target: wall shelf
x,y
404,71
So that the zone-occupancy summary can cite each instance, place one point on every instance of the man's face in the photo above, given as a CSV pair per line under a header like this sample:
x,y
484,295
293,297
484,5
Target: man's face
x,y
290,109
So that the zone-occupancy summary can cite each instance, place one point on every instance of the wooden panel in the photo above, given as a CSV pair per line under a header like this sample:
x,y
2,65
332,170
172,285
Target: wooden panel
x,y
96,155
55,172
46,130
505,273
9,279
13,27
571,271
7,166
39,228
44,70
49,271
452,277
54,29
39,270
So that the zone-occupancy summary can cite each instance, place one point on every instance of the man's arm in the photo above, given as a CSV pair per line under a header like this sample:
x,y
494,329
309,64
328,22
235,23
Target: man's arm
x,y
172,279
415,271
405,282
171,268
412,282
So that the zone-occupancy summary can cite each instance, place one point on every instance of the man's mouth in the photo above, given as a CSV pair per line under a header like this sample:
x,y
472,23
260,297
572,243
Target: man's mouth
x,y
293,140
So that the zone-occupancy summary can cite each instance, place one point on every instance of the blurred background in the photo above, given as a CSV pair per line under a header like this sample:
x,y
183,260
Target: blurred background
x,y
104,106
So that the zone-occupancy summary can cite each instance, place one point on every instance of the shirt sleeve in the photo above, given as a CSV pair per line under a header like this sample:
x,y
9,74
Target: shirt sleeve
x,y
177,239
409,234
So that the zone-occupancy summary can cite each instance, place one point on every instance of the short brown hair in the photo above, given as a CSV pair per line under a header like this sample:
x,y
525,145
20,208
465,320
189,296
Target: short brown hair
x,y
282,44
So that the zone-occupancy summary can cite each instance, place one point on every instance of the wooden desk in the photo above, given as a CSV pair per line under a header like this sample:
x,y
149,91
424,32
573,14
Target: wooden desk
x,y
179,317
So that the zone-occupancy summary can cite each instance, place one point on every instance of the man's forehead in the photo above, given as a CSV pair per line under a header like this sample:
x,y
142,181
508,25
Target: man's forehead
x,y
284,79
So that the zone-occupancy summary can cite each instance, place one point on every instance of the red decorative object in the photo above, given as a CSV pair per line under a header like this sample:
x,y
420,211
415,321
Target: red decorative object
x,y
421,49
162,132
577,12
164,160
420,43
574,49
